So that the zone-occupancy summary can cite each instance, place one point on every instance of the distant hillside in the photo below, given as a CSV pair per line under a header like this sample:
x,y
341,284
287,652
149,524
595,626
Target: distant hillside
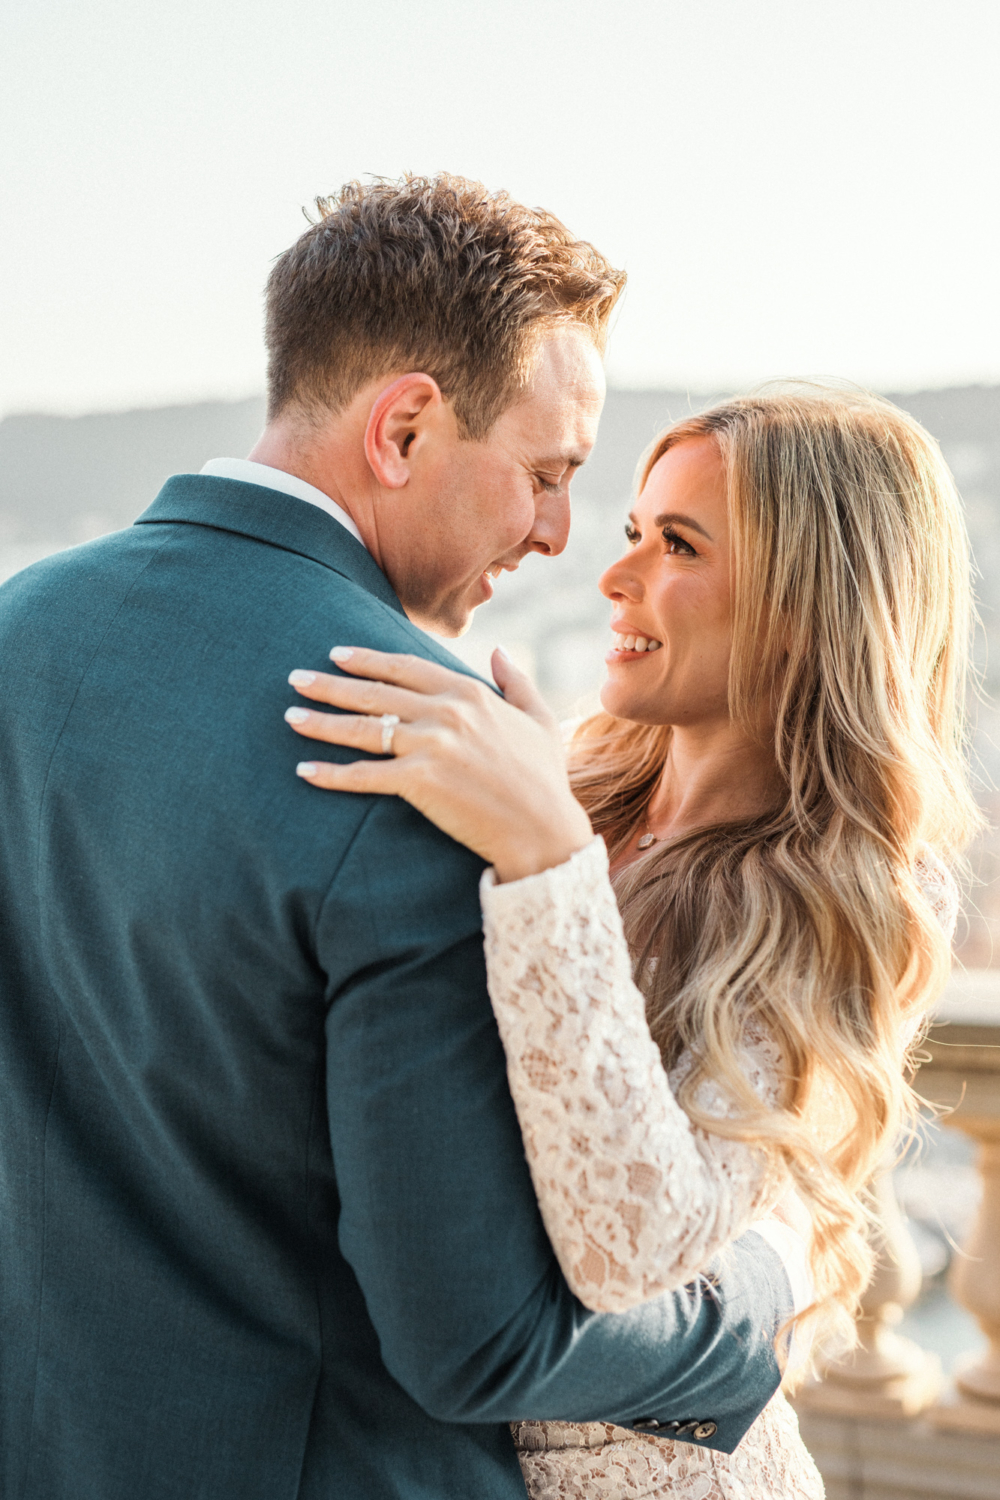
x,y
68,478
63,478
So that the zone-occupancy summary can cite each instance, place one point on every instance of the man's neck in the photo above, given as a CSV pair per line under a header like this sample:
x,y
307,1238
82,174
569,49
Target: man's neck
x,y
327,459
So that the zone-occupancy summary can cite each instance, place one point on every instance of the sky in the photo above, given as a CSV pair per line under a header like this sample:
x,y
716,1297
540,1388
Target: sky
x,y
794,187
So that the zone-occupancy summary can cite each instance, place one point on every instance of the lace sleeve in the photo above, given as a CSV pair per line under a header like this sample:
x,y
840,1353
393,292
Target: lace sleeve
x,y
635,1199
938,888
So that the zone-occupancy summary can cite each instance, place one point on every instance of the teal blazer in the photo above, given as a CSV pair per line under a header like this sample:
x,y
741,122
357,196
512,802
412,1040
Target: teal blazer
x,y
266,1227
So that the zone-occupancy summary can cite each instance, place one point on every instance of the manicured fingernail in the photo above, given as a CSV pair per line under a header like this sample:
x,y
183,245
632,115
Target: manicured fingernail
x,y
341,653
301,679
505,654
296,715
306,768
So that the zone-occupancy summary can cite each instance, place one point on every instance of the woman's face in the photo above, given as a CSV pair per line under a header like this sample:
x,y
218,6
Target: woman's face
x,y
672,596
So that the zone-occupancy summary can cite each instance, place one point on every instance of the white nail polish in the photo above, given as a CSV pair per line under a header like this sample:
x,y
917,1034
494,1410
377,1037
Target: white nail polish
x,y
505,654
341,653
306,768
301,679
296,715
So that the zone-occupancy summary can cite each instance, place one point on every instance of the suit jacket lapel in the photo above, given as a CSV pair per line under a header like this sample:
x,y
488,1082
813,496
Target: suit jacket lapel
x,y
270,516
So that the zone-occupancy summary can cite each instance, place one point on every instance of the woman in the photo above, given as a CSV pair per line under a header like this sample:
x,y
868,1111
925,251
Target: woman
x,y
779,783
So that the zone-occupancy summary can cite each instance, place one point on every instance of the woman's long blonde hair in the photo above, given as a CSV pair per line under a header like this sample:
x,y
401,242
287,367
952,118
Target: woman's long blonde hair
x,y
852,613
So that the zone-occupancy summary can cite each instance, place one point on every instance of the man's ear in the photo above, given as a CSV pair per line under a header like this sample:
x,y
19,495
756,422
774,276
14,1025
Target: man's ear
x,y
400,420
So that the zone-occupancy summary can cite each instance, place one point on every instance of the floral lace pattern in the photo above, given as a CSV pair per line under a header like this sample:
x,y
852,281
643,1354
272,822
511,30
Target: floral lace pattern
x,y
635,1198
938,888
597,1461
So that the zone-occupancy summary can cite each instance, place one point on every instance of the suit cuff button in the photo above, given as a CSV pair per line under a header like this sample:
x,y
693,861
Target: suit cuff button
x,y
705,1430
646,1424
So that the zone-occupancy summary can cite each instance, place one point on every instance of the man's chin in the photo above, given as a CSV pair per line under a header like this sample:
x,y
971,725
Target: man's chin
x,y
449,614
449,621
449,617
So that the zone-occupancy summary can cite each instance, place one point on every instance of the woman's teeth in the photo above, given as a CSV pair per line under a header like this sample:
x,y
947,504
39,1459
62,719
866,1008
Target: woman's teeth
x,y
636,643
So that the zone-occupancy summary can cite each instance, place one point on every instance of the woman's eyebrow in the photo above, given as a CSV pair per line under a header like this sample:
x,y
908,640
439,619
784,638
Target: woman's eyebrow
x,y
672,518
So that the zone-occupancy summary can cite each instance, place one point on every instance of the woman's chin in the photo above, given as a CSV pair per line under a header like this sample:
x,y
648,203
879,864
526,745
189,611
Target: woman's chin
x,y
617,700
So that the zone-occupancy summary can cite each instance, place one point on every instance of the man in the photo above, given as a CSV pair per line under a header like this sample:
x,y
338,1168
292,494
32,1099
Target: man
x,y
267,1226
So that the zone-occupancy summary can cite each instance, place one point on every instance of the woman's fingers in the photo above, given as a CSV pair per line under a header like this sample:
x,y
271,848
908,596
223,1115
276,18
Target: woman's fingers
x,y
413,672
356,731
358,776
488,770
359,696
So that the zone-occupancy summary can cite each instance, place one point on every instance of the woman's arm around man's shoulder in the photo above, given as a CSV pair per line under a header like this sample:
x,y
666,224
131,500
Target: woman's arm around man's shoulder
x,y
439,1218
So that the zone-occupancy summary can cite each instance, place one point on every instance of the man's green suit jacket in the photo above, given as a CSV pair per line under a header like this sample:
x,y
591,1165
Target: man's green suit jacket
x,y
266,1227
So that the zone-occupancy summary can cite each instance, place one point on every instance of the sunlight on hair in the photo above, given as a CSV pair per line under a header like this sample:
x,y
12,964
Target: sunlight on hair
x,y
431,274
853,611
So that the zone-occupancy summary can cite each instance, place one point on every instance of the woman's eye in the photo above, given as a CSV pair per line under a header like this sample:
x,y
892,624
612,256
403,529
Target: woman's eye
x,y
676,545
632,533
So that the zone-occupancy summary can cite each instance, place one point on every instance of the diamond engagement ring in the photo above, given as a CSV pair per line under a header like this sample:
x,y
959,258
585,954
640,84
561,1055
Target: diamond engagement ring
x,y
388,722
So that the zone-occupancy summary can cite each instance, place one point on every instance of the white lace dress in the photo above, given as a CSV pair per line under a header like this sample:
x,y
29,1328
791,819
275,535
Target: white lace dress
x,y
636,1200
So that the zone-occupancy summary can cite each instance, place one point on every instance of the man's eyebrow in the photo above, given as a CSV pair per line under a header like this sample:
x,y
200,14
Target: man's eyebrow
x,y
562,461
673,518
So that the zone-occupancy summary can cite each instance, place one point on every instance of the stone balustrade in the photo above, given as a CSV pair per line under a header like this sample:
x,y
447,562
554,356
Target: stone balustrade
x,y
884,1423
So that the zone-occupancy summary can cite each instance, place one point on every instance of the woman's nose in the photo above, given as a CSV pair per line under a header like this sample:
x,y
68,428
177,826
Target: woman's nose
x,y
619,581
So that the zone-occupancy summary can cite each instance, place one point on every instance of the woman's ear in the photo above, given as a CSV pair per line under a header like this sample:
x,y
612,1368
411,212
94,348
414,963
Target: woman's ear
x,y
399,422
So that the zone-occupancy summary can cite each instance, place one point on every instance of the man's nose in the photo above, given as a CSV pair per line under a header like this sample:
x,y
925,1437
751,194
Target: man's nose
x,y
550,532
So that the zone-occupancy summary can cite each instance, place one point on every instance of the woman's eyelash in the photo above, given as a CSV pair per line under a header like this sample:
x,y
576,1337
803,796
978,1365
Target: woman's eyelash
x,y
670,536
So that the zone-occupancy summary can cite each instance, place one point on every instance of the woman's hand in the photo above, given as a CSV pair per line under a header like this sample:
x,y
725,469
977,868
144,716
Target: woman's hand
x,y
489,771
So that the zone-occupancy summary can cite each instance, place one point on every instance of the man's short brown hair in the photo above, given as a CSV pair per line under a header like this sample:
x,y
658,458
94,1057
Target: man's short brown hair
x,y
434,274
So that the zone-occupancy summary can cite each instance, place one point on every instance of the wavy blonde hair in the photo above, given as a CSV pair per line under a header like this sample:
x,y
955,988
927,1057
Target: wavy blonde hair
x,y
852,616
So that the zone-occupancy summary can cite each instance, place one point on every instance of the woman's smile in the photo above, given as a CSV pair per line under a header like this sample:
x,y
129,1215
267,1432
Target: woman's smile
x,y
630,643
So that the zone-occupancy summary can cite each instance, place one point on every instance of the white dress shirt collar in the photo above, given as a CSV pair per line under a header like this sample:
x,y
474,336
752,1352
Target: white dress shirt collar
x,y
249,472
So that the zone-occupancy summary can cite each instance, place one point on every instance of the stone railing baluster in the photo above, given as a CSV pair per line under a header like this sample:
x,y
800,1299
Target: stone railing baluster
x,y
875,1422
964,1073
886,1375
